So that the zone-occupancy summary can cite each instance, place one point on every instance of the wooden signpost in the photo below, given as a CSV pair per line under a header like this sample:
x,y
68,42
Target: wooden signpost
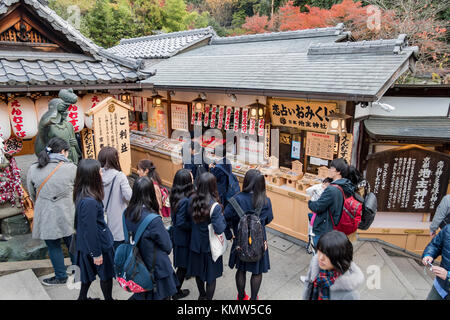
x,y
408,179
111,128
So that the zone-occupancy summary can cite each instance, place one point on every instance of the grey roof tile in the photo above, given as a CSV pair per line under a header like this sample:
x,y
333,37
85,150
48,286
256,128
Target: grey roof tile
x,y
162,45
64,67
285,66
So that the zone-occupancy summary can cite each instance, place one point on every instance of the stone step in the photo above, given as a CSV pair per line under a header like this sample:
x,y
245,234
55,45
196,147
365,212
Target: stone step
x,y
23,285
414,275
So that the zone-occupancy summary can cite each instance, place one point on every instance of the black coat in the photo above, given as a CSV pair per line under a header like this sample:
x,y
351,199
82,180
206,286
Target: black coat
x,y
93,235
222,179
331,203
182,223
440,246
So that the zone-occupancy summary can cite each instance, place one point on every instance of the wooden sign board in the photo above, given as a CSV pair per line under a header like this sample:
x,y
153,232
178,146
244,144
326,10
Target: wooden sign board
x,y
320,145
408,179
111,128
87,143
312,115
345,146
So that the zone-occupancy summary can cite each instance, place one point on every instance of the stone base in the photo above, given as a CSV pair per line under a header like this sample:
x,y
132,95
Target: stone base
x,y
23,247
14,226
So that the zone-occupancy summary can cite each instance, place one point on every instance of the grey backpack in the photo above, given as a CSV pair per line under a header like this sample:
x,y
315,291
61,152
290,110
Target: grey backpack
x,y
250,235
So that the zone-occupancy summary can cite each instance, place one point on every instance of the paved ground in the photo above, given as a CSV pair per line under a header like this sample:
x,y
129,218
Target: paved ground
x,y
388,276
399,278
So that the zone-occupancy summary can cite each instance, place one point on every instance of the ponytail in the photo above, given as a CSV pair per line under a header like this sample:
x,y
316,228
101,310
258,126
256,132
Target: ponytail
x,y
55,145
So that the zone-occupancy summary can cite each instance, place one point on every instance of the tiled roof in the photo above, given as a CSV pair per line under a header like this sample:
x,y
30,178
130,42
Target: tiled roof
x,y
60,68
162,45
286,66
95,66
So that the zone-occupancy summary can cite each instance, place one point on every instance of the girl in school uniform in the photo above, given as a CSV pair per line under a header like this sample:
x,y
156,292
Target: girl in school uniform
x,y
201,264
94,240
253,197
154,241
180,201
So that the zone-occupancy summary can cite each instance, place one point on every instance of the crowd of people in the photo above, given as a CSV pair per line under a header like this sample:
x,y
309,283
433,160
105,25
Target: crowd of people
x,y
88,207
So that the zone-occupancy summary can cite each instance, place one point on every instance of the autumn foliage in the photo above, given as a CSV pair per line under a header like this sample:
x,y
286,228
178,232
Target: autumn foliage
x,y
414,18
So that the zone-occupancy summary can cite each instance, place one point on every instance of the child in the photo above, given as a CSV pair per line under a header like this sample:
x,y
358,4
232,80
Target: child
x,y
315,192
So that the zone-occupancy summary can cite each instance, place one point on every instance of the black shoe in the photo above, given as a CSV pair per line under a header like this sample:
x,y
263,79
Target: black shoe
x,y
202,298
53,281
181,294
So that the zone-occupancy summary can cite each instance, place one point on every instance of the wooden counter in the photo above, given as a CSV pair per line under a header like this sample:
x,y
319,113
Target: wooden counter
x,y
163,163
290,210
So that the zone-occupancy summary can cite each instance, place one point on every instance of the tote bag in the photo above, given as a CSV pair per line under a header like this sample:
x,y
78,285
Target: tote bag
x,y
217,242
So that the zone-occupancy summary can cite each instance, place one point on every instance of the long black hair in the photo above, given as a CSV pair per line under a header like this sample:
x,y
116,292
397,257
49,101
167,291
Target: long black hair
x,y
336,246
88,181
206,191
347,171
152,173
55,145
109,158
182,187
143,196
255,183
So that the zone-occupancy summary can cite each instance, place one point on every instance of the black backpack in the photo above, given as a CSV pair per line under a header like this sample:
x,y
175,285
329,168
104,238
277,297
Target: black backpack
x,y
250,235
369,208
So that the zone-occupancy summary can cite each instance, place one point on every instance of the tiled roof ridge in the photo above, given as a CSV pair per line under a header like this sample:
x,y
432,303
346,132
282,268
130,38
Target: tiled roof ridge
x,y
207,31
337,30
384,46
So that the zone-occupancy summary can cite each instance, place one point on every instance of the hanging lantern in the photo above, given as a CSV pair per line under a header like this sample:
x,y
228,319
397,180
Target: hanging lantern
x,y
257,110
157,100
125,98
198,104
75,116
337,123
23,117
42,106
89,101
5,125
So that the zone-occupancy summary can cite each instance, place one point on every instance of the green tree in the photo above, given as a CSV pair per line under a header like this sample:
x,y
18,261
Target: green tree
x,y
177,18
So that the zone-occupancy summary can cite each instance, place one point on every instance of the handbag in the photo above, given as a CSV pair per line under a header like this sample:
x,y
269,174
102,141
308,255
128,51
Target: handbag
x,y
217,242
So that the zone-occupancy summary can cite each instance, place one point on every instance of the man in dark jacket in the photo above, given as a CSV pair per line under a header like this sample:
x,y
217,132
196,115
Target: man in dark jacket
x,y
328,208
439,246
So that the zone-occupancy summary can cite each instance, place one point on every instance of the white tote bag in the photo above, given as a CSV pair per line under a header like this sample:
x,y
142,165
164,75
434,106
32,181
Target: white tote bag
x,y
217,242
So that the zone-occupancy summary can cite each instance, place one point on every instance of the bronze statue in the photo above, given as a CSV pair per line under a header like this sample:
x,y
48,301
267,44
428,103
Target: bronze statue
x,y
54,124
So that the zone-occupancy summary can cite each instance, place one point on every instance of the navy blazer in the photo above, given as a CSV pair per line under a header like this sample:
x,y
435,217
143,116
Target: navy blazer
x,y
93,235
193,166
182,223
222,179
200,232
155,234
245,201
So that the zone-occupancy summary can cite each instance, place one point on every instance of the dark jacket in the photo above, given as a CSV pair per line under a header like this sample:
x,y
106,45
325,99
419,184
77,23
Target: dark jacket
x,y
330,202
93,235
440,246
200,232
182,223
194,165
157,234
222,179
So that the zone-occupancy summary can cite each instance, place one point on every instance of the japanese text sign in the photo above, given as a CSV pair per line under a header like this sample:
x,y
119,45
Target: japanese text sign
x,y
302,114
408,179
320,145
